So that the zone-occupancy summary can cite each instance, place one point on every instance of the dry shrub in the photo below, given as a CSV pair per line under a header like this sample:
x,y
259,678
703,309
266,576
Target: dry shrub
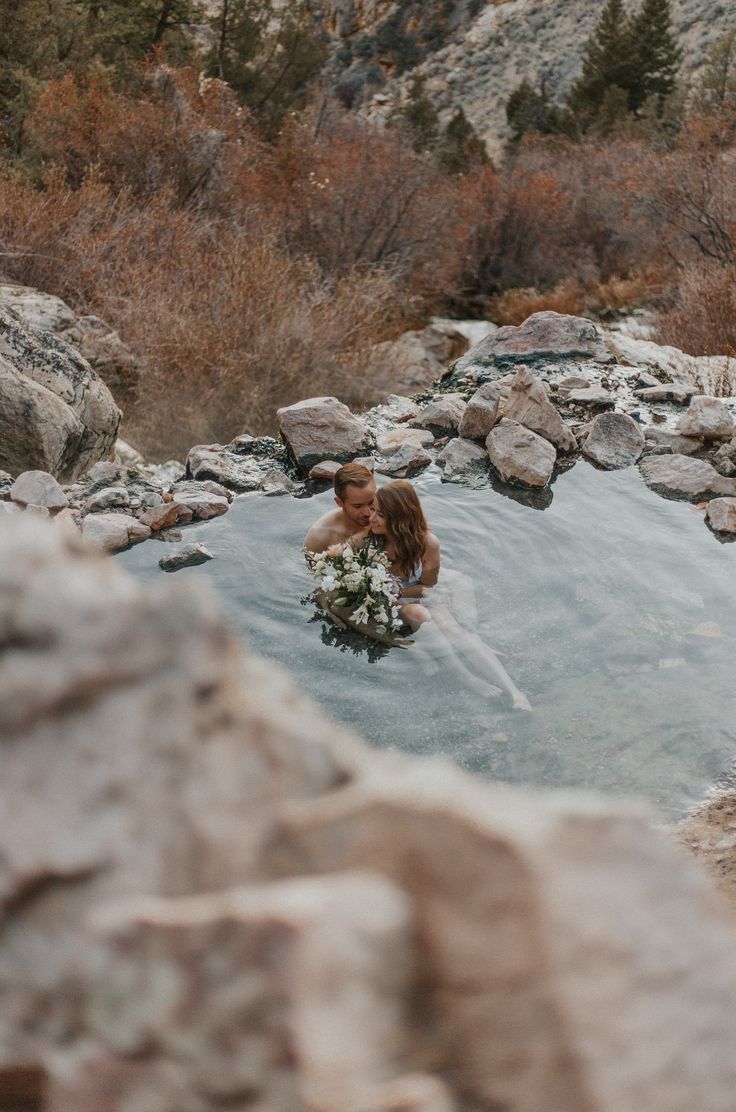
x,y
703,320
514,306
230,325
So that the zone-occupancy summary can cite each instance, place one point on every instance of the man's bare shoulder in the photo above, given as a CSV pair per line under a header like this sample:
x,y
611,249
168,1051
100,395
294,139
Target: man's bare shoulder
x,y
327,530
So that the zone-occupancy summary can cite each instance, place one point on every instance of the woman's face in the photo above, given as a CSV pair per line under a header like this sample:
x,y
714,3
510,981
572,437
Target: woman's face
x,y
378,523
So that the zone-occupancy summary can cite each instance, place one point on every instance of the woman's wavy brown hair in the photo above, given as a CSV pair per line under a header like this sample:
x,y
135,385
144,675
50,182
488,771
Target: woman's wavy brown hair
x,y
406,525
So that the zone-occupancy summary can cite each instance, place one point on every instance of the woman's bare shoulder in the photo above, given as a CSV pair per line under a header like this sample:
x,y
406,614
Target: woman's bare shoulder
x,y
431,546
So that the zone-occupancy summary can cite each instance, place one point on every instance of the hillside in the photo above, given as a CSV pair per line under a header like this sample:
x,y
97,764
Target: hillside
x,y
475,58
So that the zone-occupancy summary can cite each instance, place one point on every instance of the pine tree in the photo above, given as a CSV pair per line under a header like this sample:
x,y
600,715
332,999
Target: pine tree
x,y
607,62
715,92
655,54
268,52
460,147
529,109
420,115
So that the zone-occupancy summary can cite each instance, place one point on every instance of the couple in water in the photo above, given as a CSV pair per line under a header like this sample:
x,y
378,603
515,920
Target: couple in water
x,y
446,611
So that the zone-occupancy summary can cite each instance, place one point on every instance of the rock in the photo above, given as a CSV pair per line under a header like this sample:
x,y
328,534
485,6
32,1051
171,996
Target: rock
x,y
42,311
188,556
724,459
38,511
56,414
113,532
202,506
401,408
462,460
411,362
442,415
406,461
276,481
389,442
572,954
215,462
127,456
572,382
38,488
721,515
707,418
107,498
106,472
271,989
543,338
529,406
480,413
9,508
206,486
325,470
614,441
166,515
594,397
118,367
519,455
141,752
322,428
673,441
675,392
678,476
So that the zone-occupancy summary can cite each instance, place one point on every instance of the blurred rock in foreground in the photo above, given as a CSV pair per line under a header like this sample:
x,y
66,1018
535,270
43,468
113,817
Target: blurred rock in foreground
x,y
212,897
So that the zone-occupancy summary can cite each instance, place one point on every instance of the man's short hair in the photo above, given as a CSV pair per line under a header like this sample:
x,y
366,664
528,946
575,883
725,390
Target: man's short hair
x,y
351,474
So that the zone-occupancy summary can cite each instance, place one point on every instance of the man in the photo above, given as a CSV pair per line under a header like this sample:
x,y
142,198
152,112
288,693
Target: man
x,y
355,491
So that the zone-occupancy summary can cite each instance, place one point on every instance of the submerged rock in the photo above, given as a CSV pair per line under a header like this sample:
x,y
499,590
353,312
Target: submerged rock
x,y
520,455
615,440
188,556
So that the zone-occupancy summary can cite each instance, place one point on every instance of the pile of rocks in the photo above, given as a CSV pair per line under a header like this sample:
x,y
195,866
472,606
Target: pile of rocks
x,y
212,896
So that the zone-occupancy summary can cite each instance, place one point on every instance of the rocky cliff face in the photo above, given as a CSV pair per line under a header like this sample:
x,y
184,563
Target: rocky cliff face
x,y
475,54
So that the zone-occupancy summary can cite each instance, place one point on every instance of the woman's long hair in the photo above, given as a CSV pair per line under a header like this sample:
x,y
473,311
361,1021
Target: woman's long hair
x,y
406,525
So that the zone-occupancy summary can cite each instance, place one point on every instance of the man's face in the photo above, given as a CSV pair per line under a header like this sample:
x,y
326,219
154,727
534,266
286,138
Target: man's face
x,y
358,504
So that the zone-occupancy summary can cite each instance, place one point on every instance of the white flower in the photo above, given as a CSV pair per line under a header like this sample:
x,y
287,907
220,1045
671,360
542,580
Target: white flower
x,y
329,583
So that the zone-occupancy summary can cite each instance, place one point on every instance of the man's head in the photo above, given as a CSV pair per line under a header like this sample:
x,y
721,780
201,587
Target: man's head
x,y
355,489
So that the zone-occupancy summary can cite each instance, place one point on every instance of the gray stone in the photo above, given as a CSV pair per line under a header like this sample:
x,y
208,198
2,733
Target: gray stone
x,y
326,470
389,442
38,488
519,455
676,392
205,486
406,461
679,476
112,532
615,440
56,414
721,515
480,413
593,397
42,311
462,460
213,461
528,405
673,441
442,415
108,497
188,556
708,418
203,506
322,428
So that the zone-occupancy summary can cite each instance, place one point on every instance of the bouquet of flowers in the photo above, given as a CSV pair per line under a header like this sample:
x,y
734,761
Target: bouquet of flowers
x,y
358,580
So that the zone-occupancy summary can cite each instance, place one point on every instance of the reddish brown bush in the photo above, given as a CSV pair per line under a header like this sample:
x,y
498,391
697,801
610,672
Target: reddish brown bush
x,y
703,318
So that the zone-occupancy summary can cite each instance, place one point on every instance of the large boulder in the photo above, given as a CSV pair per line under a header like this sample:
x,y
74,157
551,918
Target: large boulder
x,y
615,440
529,405
678,476
519,455
56,414
542,339
322,428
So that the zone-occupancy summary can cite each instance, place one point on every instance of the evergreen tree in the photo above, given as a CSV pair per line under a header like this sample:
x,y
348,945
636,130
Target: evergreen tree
x,y
268,52
529,109
420,115
655,54
607,62
460,147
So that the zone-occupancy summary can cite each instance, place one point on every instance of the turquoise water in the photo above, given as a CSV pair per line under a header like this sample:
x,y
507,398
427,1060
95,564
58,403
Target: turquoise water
x,y
598,602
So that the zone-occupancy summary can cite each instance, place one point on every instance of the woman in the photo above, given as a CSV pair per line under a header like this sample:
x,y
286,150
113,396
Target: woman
x,y
413,551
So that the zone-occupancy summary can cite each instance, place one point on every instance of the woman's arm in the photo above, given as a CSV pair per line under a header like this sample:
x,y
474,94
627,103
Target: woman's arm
x,y
430,562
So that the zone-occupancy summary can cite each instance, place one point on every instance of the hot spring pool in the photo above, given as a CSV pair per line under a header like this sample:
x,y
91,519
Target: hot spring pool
x,y
615,608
